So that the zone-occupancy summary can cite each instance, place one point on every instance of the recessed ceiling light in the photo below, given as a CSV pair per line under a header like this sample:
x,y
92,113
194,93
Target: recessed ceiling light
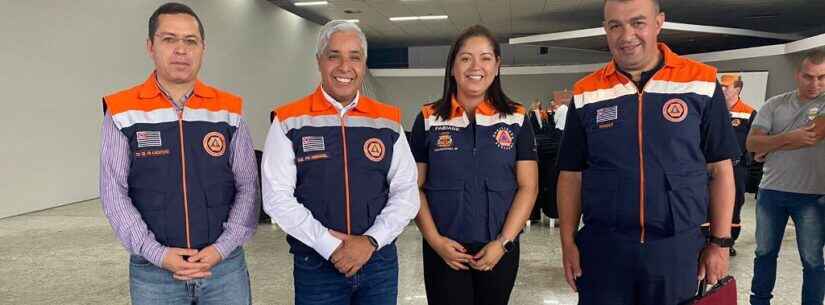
x,y
428,17
351,20
311,3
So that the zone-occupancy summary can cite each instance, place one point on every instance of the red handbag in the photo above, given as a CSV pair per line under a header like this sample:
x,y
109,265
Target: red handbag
x,y
723,293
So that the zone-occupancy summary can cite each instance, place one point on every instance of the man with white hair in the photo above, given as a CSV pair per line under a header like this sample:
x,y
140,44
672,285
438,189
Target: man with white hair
x,y
340,180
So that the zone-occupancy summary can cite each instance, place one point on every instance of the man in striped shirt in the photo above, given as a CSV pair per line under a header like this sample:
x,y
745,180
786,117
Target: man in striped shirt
x,y
178,174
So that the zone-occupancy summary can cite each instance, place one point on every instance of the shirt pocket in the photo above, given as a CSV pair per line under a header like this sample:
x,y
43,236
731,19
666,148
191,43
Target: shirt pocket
x,y
598,197
687,196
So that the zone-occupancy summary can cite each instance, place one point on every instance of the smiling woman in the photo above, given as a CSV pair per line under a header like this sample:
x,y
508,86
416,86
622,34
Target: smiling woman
x,y
477,175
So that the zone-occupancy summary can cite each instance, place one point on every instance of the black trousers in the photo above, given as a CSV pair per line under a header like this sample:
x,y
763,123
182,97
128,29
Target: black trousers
x,y
446,286
740,177
621,271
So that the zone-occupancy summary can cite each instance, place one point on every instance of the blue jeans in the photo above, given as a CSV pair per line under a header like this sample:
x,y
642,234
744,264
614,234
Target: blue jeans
x,y
228,285
772,211
317,282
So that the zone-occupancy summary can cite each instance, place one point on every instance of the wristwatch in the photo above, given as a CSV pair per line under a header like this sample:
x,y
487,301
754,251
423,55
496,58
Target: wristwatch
x,y
722,242
373,242
507,245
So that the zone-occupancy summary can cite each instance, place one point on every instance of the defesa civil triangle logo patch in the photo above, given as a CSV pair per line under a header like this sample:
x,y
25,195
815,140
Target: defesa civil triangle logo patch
x,y
504,138
675,110
214,143
374,149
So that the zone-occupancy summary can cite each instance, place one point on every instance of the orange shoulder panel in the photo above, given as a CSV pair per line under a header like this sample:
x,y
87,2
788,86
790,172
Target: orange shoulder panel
x,y
129,99
690,71
302,106
596,81
225,101
380,110
741,106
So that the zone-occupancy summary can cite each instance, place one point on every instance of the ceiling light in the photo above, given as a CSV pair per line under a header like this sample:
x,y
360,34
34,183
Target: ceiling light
x,y
351,20
311,3
428,17
436,17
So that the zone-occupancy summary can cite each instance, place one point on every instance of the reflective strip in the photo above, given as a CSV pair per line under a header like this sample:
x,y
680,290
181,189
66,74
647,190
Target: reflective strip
x,y
459,121
166,115
740,115
667,87
601,95
204,115
131,117
298,122
490,120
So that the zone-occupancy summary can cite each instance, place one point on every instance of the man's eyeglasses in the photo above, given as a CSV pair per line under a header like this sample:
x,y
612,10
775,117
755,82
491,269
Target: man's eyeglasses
x,y
190,42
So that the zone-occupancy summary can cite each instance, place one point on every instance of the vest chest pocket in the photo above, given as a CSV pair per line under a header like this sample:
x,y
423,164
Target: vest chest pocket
x,y
152,152
151,204
219,200
376,205
500,195
446,206
308,195
687,196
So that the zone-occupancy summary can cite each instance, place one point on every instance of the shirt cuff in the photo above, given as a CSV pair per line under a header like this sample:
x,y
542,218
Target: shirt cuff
x,y
326,245
379,235
224,248
155,254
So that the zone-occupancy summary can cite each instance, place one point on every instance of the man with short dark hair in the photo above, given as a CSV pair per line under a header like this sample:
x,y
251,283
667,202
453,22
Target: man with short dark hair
x,y
787,134
178,174
641,137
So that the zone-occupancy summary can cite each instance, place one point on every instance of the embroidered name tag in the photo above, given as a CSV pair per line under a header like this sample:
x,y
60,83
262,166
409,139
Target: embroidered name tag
x,y
152,153
148,139
312,143
319,156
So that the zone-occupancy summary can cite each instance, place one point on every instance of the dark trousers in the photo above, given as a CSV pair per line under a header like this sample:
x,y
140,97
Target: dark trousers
x,y
546,199
446,286
617,270
740,176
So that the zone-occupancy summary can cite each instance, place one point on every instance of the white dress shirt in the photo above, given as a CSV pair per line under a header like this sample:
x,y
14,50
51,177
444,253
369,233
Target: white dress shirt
x,y
279,179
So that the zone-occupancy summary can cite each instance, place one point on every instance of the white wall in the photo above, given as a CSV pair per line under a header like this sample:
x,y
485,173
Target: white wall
x,y
511,55
59,57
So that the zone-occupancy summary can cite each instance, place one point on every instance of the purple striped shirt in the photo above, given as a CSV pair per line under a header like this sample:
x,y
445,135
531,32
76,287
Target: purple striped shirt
x,y
125,219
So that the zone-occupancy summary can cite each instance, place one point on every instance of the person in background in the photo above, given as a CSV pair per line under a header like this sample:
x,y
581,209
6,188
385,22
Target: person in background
x,y
785,135
742,116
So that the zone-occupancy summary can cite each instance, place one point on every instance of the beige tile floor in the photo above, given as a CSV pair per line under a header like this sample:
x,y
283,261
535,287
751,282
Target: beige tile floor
x,y
69,255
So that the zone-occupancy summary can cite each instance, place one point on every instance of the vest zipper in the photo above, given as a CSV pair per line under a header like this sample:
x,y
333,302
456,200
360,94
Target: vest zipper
x,y
183,178
640,127
346,171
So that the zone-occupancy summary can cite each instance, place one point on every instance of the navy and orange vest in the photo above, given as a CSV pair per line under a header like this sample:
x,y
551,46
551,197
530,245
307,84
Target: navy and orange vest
x,y
471,180
180,176
341,162
646,175
741,117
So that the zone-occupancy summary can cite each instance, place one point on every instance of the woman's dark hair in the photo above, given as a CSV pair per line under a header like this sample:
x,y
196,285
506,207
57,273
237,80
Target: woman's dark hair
x,y
494,93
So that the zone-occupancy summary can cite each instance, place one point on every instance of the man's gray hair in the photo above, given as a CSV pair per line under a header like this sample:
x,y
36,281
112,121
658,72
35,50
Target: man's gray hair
x,y
336,26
